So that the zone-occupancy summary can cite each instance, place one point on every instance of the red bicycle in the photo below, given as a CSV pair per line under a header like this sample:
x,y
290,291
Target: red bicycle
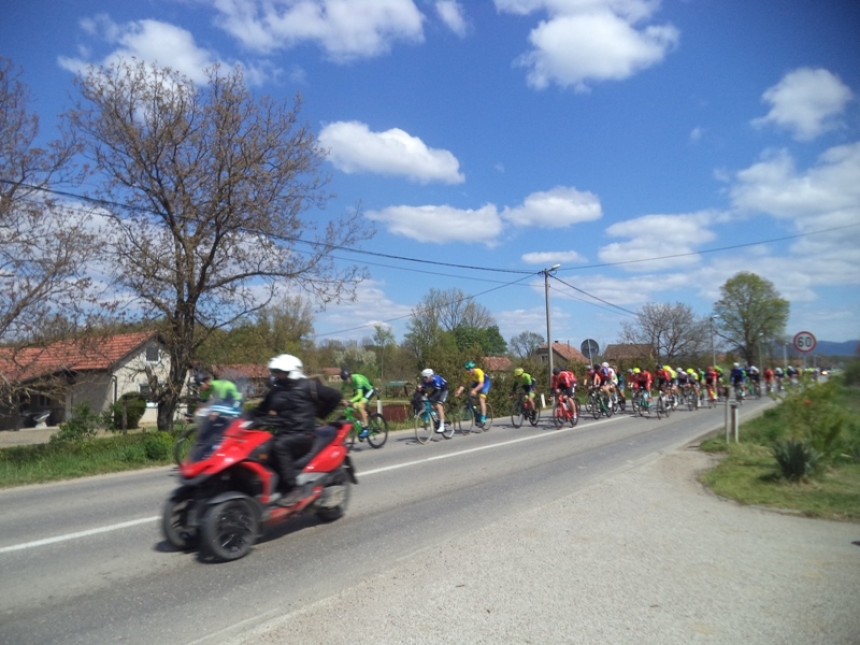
x,y
566,411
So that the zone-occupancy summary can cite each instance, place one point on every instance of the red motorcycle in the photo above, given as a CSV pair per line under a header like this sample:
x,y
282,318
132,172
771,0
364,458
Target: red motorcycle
x,y
229,489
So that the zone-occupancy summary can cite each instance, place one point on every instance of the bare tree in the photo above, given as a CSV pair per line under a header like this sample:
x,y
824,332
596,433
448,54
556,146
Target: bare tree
x,y
525,345
44,246
671,330
213,195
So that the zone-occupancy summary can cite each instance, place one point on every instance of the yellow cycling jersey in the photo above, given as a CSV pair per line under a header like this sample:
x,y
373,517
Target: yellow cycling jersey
x,y
479,376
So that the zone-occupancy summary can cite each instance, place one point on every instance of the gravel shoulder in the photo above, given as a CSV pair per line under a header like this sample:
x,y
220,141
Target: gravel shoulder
x,y
649,556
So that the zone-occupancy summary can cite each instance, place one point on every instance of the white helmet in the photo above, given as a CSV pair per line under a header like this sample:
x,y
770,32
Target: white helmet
x,y
427,373
289,364
604,364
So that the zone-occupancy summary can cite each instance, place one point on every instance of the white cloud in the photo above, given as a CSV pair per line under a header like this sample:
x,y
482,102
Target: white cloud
x,y
557,208
148,40
828,190
659,236
353,148
591,40
441,224
344,29
808,102
550,258
451,13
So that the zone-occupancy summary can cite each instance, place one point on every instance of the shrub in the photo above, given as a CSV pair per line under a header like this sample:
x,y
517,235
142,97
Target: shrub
x,y
797,460
134,405
157,448
83,424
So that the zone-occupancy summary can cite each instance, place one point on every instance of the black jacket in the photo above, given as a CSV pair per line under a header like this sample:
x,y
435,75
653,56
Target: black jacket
x,y
297,404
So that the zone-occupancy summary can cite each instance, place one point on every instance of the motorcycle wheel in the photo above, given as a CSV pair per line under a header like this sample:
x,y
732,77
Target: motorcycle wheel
x,y
332,513
174,524
230,529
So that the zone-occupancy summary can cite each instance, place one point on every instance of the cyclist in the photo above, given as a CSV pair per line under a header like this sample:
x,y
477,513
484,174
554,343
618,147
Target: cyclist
x,y
564,386
220,390
755,378
435,388
641,380
737,377
693,381
362,392
711,380
526,381
777,375
608,380
479,388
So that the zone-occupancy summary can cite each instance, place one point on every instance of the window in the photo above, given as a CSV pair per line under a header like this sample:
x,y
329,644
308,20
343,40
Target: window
x,y
152,354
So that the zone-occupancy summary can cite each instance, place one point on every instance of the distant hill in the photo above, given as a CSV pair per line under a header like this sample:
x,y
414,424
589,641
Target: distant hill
x,y
825,348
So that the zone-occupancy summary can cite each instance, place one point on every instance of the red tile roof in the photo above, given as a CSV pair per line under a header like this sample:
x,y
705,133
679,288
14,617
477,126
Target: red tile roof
x,y
79,355
568,353
496,363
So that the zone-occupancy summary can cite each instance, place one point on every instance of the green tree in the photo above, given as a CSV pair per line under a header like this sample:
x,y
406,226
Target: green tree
x,y
750,313
209,191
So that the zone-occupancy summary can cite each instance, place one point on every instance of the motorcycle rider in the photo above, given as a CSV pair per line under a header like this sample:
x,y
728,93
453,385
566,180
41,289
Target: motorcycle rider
x,y
291,407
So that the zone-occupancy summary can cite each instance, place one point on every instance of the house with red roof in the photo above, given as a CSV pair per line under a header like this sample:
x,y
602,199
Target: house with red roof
x,y
50,381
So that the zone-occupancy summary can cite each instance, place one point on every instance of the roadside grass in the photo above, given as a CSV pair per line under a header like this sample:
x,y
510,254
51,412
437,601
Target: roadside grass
x,y
749,473
55,461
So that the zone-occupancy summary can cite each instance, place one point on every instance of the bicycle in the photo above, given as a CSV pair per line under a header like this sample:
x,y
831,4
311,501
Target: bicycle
x,y
599,403
691,397
666,401
566,411
427,421
524,408
466,417
376,424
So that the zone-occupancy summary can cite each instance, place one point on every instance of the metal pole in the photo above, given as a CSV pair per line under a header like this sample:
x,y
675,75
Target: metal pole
x,y
546,273
713,343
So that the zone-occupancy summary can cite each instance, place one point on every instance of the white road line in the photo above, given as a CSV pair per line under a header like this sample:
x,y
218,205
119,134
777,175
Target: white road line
x,y
74,536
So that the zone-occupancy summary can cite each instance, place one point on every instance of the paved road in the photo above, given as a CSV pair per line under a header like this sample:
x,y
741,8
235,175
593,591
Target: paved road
x,y
648,556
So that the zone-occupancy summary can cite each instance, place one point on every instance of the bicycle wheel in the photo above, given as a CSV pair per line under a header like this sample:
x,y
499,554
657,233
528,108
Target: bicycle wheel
x,y
448,432
464,418
595,406
488,420
608,406
691,400
660,408
424,427
534,414
517,413
378,427
573,419
350,437
558,416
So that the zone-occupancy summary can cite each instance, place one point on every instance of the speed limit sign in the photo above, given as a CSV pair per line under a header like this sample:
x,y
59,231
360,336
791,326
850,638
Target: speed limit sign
x,y
804,341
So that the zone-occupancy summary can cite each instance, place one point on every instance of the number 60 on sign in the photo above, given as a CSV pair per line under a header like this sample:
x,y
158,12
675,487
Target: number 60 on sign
x,y
804,341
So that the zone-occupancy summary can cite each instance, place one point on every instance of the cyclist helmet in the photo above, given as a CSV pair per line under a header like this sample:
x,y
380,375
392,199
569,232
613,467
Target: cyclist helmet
x,y
604,364
690,370
344,374
679,369
753,369
636,370
518,371
427,373
736,365
201,377
470,365
556,370
288,364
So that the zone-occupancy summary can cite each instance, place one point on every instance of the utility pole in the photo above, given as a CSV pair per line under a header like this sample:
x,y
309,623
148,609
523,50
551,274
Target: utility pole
x,y
546,273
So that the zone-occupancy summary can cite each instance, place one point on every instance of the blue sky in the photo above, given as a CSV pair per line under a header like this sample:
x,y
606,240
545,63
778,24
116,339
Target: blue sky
x,y
652,149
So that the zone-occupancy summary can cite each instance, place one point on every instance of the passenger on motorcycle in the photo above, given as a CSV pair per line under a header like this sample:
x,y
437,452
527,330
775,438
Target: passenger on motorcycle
x,y
291,409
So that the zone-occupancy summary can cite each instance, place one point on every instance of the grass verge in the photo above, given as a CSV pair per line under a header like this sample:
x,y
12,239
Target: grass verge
x,y
749,473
